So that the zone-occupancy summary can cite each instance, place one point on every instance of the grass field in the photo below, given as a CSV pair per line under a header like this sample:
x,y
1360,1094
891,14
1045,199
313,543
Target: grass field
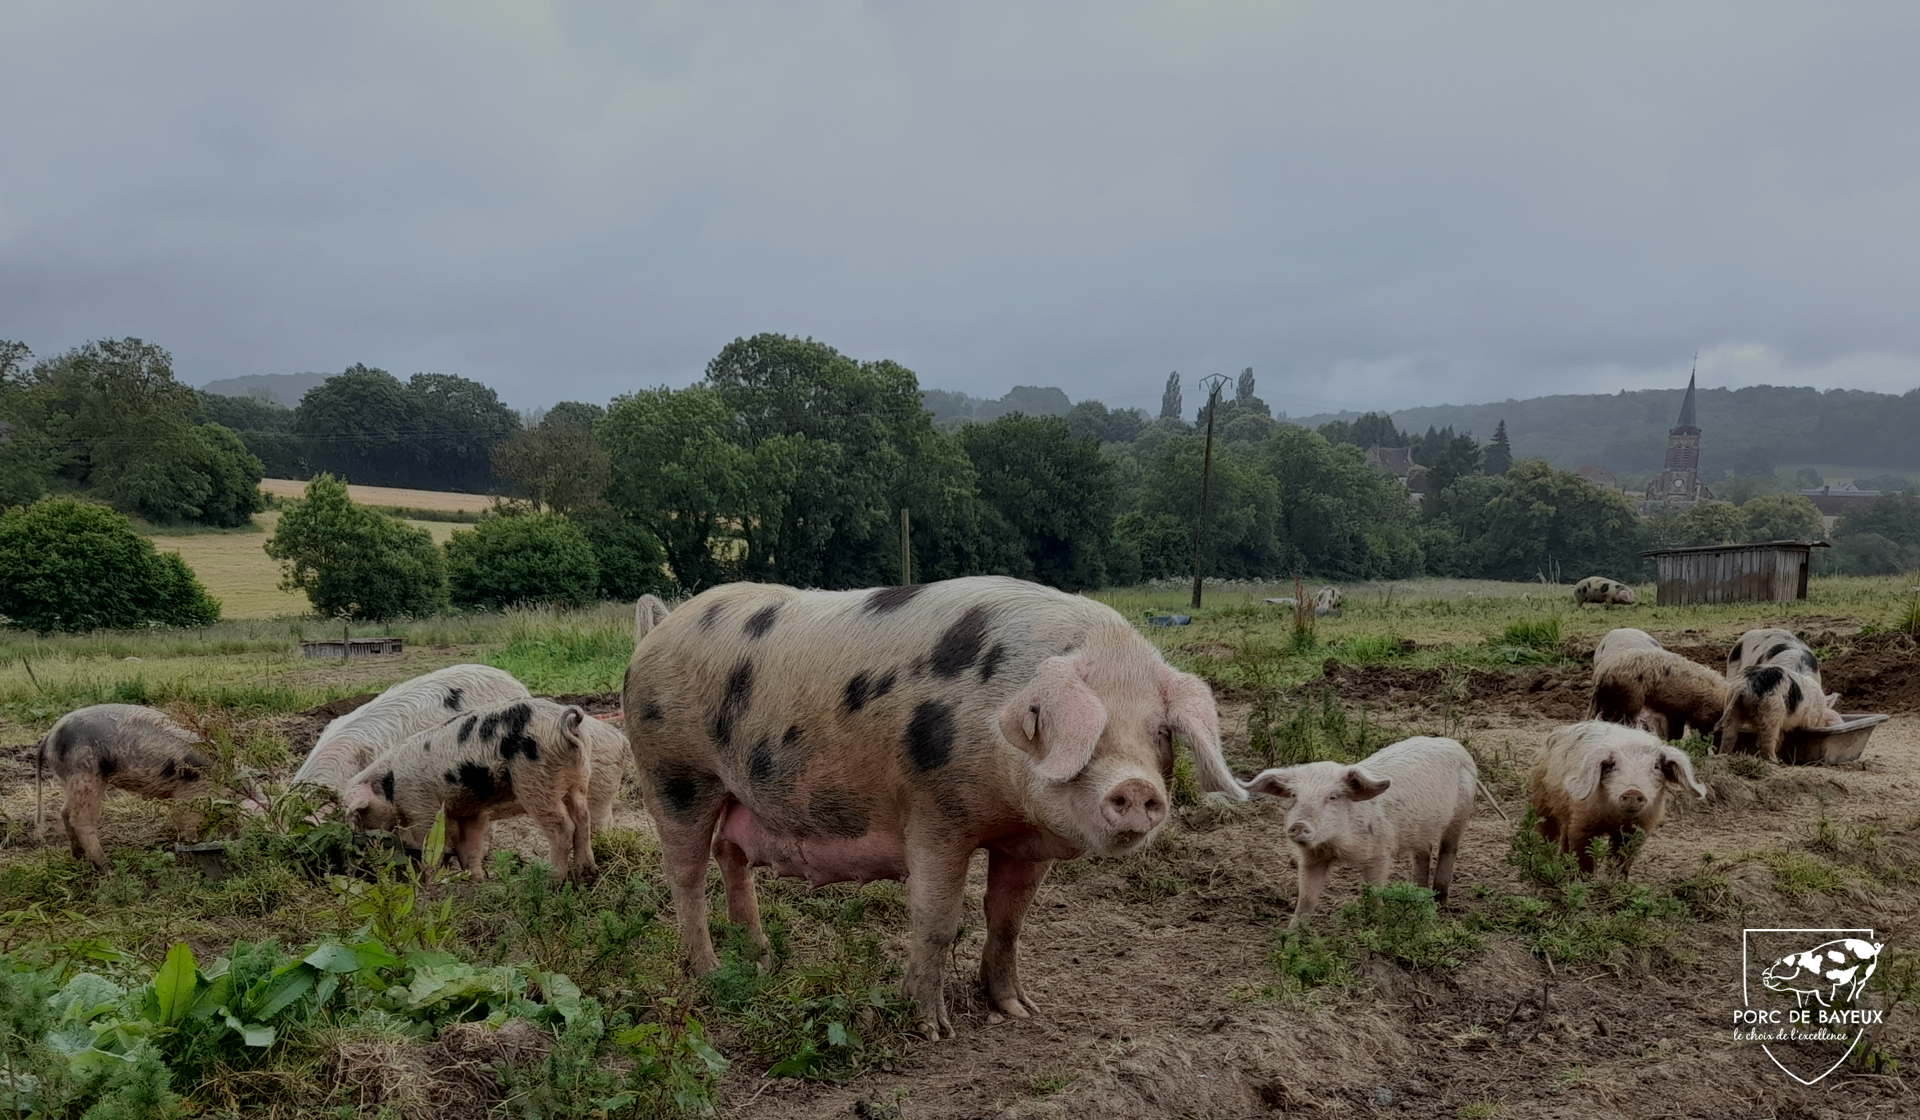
x,y
387,496
1168,981
235,569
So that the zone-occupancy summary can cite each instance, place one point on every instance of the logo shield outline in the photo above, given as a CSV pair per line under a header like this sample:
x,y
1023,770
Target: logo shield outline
x,y
1747,995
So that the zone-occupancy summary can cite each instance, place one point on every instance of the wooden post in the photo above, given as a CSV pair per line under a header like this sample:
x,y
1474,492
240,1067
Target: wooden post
x,y
906,548
1206,479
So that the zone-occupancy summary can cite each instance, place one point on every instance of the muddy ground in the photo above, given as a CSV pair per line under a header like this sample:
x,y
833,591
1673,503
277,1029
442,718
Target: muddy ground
x,y
1156,987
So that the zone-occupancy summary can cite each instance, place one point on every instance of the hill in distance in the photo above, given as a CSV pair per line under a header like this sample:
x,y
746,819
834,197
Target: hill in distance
x,y
287,388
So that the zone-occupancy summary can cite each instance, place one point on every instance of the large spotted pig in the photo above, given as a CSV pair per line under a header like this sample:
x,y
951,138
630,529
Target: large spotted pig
x,y
353,741
529,756
888,734
116,746
1607,592
1771,646
1773,701
1844,964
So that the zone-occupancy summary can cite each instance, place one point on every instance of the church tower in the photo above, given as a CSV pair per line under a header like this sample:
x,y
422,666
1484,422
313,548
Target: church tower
x,y
1679,483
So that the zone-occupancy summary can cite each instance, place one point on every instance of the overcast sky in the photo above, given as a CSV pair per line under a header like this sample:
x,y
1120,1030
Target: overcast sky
x,y
1372,205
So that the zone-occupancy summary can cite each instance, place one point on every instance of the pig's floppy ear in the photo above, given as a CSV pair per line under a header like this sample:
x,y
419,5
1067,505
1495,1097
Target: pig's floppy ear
x,y
1362,786
1190,711
1057,719
1677,768
357,797
1273,783
1584,780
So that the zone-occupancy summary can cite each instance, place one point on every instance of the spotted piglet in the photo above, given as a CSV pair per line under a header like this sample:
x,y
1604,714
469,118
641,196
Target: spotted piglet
x,y
530,756
117,746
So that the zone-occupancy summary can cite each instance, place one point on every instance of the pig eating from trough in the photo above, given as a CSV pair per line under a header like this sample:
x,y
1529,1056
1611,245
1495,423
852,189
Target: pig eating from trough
x,y
1773,701
887,734
528,756
1410,798
117,746
1771,646
353,741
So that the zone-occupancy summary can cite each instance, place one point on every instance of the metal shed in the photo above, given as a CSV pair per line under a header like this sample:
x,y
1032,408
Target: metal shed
x,y
1733,573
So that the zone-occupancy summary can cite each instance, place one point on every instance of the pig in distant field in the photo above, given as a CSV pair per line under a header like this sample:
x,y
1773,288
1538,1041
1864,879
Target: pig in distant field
x,y
1772,646
1601,779
528,756
1607,592
888,734
1326,601
118,746
1773,701
352,742
1847,963
1621,641
1406,799
1658,690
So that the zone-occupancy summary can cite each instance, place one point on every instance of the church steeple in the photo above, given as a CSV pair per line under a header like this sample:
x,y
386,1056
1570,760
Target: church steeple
x,y
1686,408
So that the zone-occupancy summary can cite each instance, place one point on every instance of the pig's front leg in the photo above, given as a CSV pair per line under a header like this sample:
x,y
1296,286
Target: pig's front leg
x,y
1011,883
936,898
1313,880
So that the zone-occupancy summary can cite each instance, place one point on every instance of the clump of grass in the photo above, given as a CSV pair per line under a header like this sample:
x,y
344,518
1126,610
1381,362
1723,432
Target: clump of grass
x,y
1798,875
1401,923
1908,620
1310,732
1533,633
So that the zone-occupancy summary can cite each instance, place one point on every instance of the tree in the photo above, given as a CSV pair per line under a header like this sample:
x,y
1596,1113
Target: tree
x,y
1893,516
70,565
1369,430
629,558
1091,418
436,432
1457,457
1535,519
1499,453
1243,388
528,558
1781,517
558,465
462,420
354,562
1806,478
1339,517
1056,492
26,455
1170,398
1244,511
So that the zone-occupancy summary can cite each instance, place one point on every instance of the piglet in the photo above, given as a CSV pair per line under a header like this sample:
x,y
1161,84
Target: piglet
x,y
1601,779
1773,700
529,756
1408,799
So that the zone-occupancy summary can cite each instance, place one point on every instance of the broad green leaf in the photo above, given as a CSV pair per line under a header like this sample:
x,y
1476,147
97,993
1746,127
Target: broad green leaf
x,y
173,985
94,949
213,996
323,991
374,955
288,983
85,996
332,956
563,995
836,1034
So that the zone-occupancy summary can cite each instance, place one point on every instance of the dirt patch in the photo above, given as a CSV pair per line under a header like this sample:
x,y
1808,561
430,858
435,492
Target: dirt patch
x,y
1553,693
452,1076
601,704
1875,673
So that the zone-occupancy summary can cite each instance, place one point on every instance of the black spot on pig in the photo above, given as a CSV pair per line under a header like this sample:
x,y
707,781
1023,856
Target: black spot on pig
x,y
928,741
386,785
960,646
1795,697
854,696
991,664
762,620
734,702
476,779
453,698
889,599
794,737
1809,663
1777,651
514,738
490,727
105,762
838,812
466,727
1733,662
1765,679
685,791
167,769
651,711
711,615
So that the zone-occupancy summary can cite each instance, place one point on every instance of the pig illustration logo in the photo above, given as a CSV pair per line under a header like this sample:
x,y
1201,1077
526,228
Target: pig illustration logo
x,y
1825,971
1822,971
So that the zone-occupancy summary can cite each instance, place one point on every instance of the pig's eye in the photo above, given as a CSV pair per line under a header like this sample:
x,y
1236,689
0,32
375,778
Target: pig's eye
x,y
1606,767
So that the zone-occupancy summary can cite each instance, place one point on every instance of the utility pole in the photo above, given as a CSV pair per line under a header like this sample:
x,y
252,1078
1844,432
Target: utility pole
x,y
1200,532
906,548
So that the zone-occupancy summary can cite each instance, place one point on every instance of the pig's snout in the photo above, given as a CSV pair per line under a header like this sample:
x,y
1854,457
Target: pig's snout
x,y
1632,801
1300,832
1134,806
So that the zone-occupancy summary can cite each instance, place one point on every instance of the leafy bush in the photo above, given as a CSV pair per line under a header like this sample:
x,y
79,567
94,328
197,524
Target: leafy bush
x,y
529,558
631,562
68,565
352,562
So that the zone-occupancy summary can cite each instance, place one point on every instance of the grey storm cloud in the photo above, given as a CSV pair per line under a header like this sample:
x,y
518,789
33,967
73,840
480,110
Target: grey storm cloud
x,y
1373,205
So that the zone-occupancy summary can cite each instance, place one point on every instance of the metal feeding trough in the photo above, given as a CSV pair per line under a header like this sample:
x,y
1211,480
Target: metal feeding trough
x,y
1171,619
1821,746
210,860
350,647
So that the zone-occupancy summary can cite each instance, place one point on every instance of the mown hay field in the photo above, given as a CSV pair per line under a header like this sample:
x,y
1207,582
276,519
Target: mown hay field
x,y
1168,981
392,496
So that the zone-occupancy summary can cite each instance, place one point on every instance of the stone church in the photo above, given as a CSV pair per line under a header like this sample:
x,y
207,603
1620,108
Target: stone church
x,y
1678,485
